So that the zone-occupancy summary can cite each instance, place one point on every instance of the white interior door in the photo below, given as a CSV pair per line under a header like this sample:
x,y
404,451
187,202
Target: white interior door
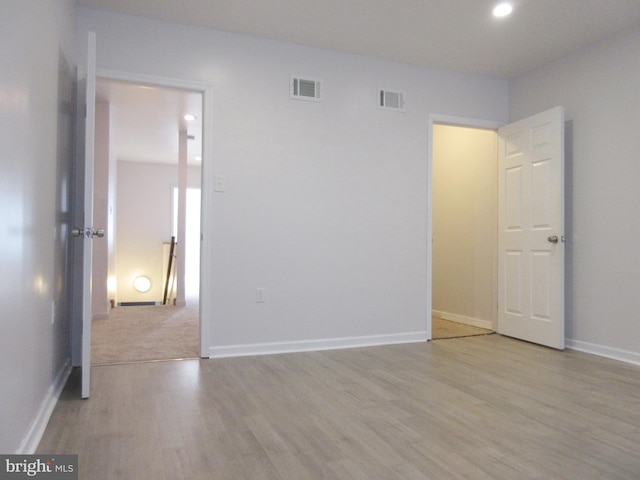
x,y
89,139
531,229
83,220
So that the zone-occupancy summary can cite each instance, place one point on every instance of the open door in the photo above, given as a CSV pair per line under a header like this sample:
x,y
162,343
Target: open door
x,y
531,229
83,219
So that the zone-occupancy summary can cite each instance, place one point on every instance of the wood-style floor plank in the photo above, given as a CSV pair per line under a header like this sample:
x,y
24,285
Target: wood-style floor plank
x,y
485,407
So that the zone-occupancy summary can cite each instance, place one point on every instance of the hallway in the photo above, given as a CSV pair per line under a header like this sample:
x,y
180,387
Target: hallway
x,y
146,333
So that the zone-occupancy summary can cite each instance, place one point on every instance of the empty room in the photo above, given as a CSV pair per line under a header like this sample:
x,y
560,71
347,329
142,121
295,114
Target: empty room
x,y
320,221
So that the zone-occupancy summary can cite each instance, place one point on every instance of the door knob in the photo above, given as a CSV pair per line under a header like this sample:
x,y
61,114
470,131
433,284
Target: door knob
x,y
87,232
552,239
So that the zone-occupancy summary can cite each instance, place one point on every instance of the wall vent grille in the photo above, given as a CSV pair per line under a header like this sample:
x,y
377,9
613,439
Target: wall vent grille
x,y
391,100
306,89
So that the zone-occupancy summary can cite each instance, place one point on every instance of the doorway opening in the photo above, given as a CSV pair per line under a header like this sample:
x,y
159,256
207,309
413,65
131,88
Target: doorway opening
x,y
147,147
463,230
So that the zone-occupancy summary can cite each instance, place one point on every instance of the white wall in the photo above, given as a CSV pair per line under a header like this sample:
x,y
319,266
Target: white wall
x,y
325,203
465,224
143,224
35,158
598,87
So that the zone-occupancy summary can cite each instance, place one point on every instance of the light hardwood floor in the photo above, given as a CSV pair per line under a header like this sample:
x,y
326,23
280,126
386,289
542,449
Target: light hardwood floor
x,y
485,407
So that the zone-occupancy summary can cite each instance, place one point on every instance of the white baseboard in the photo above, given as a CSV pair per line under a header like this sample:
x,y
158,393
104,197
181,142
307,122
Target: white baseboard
x,y
32,439
626,356
454,317
316,345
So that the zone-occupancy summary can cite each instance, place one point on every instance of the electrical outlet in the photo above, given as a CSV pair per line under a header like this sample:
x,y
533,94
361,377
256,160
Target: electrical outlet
x,y
219,184
260,295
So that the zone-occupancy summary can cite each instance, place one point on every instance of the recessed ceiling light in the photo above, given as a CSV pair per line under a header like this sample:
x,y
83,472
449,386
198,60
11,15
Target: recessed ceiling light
x,y
502,9
189,118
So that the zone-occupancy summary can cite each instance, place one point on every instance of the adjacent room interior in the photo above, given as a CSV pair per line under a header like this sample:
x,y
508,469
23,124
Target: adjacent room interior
x,y
465,216
145,296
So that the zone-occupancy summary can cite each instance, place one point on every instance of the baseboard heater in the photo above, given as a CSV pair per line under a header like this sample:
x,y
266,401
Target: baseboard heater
x,y
137,304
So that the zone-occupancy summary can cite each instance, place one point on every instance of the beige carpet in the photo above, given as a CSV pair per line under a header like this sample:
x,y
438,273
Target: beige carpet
x,y
441,329
145,333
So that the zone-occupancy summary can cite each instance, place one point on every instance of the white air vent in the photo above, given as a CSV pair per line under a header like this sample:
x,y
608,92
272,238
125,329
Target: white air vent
x,y
306,89
391,100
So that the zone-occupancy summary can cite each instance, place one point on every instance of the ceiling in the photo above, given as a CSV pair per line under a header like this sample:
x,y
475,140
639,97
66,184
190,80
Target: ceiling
x,y
146,121
459,35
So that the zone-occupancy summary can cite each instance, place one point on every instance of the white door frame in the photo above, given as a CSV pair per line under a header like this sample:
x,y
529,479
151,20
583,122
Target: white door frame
x,y
441,119
205,306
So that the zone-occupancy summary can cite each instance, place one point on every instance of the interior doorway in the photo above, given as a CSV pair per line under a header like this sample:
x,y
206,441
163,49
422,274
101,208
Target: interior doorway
x,y
464,230
141,128
530,238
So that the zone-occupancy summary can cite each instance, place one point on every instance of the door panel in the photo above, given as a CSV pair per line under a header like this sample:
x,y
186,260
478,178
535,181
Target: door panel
x,y
82,218
513,207
88,212
530,215
513,289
